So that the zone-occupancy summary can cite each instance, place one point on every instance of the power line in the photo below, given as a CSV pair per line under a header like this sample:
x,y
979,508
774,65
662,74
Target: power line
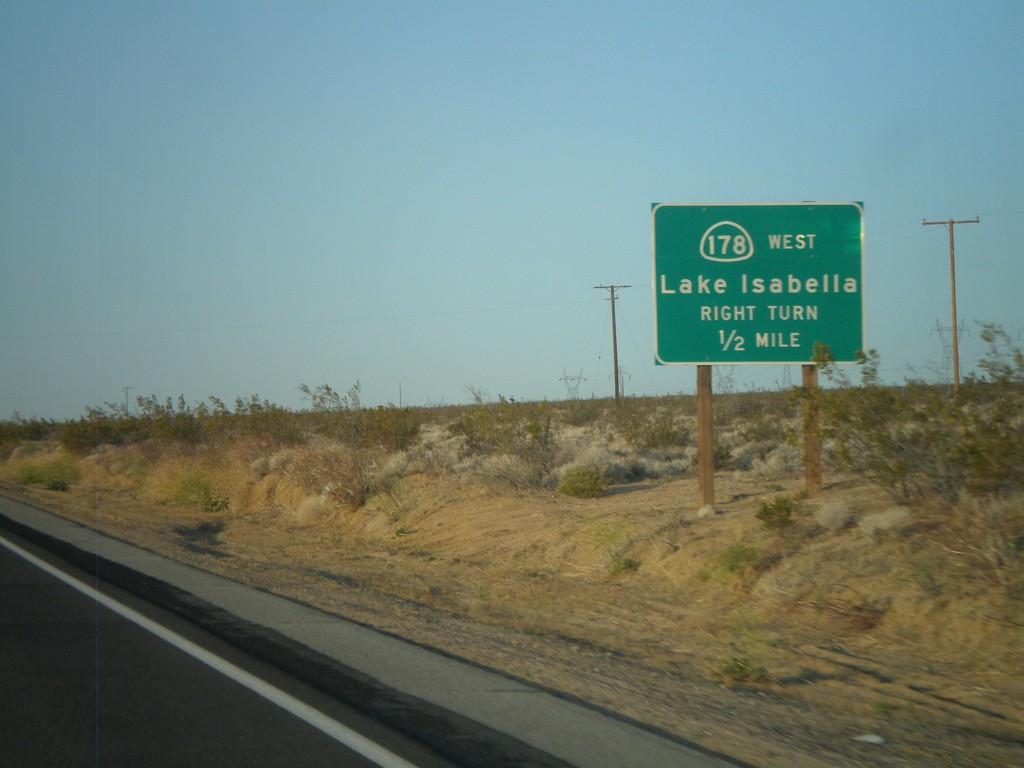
x,y
291,324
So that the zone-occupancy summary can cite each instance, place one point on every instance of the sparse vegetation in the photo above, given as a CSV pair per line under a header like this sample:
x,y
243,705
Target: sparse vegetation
x,y
55,472
741,669
738,558
622,564
931,449
920,442
583,483
197,490
467,506
776,514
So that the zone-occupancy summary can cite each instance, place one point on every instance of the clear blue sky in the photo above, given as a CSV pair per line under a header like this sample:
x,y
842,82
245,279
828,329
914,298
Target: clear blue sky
x,y
229,198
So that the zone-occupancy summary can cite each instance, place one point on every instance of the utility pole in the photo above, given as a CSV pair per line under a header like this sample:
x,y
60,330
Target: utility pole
x,y
125,390
950,223
615,346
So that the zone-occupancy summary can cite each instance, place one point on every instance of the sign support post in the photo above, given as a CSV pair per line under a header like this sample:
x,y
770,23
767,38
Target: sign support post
x,y
705,437
812,436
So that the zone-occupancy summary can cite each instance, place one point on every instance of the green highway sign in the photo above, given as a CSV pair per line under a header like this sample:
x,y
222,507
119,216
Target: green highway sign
x,y
757,283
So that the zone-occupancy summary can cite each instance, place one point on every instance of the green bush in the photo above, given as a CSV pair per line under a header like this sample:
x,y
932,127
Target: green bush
x,y
738,558
19,431
651,424
776,514
508,428
579,413
918,441
390,428
198,491
622,564
343,418
55,475
741,669
96,428
583,483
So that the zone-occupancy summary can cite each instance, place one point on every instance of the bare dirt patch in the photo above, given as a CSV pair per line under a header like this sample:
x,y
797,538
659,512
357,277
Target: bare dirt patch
x,y
777,647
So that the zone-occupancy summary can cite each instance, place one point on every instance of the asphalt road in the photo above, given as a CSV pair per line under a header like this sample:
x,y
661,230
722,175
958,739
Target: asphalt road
x,y
83,684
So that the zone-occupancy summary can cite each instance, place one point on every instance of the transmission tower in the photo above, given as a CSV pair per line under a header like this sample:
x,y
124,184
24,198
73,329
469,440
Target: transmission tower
x,y
572,383
620,384
724,376
945,334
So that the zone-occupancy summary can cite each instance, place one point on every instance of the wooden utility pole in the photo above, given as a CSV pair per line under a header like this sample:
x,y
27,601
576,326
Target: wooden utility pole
x,y
950,223
615,345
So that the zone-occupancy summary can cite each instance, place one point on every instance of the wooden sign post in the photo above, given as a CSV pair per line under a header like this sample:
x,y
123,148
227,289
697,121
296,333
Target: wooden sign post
x,y
812,438
705,437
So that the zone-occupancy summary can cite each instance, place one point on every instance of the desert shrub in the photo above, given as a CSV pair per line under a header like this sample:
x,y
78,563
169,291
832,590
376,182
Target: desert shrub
x,y
853,608
768,427
738,558
522,431
621,564
512,471
723,455
254,417
342,417
742,669
583,483
580,413
311,509
833,516
782,460
165,421
55,474
337,472
18,431
180,422
879,523
648,424
390,428
196,490
97,427
775,515
437,451
986,538
919,442
744,409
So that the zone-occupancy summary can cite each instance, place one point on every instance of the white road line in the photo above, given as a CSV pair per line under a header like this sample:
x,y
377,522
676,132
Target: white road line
x,y
354,741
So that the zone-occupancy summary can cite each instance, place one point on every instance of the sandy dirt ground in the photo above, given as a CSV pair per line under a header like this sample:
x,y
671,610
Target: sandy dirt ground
x,y
809,647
